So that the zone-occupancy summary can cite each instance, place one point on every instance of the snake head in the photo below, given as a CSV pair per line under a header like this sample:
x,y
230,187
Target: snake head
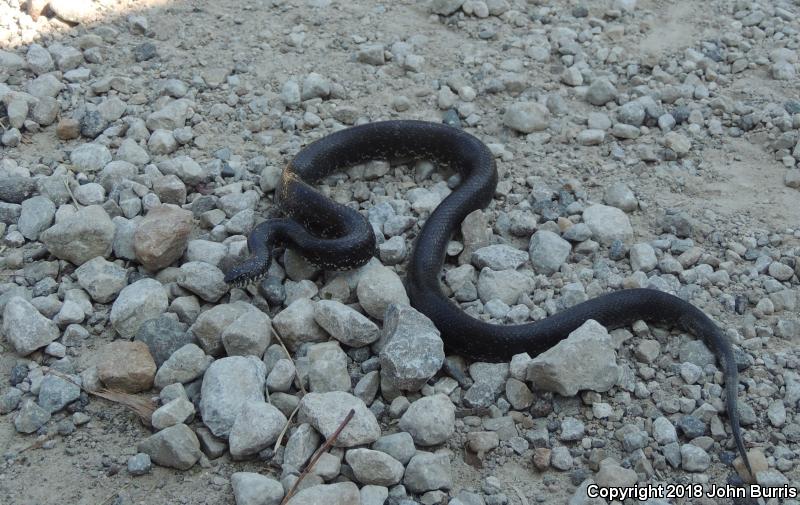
x,y
250,270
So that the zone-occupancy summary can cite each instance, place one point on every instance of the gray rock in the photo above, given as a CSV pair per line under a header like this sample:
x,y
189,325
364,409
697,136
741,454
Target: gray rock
x,y
228,385
611,474
163,336
177,411
46,85
130,151
139,464
296,324
374,495
30,417
25,328
141,301
326,411
300,447
78,238
429,420
663,431
90,157
561,459
399,446
412,351
608,223
281,376
256,489
345,324
372,467
327,368
572,429
315,86
209,325
631,113
379,287
591,137
162,142
694,459
695,351
55,393
39,59
203,279
342,493
36,215
249,334
619,195
518,394
600,92
393,250
548,251
45,112
445,7
183,366
102,279
171,116
9,400
643,257
526,117
584,360
174,447
428,472
256,427
499,257
505,285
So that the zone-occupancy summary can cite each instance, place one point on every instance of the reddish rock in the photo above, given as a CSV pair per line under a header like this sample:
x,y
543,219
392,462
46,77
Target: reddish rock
x,y
162,235
68,129
126,366
541,458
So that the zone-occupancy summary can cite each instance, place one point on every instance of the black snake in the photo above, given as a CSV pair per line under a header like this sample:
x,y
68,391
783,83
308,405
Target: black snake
x,y
334,236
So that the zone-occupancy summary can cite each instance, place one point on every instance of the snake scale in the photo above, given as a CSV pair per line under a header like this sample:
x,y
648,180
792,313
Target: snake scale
x,y
334,236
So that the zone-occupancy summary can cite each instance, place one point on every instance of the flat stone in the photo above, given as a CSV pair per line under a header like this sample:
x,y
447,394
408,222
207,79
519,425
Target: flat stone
x,y
342,493
345,324
608,223
374,467
255,428
428,472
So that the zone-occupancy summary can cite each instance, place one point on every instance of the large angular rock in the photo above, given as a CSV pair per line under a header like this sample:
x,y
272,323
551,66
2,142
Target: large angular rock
x,y
327,368
378,288
345,324
505,285
174,447
428,472
584,360
25,327
162,235
296,324
210,325
374,467
171,116
228,385
413,350
326,411
143,300
85,235
548,251
184,365
255,428
102,279
431,420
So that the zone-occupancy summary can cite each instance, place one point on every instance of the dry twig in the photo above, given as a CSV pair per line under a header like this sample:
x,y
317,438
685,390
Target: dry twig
x,y
328,443
285,429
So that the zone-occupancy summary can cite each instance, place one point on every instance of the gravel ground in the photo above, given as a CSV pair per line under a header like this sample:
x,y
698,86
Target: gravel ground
x,y
645,143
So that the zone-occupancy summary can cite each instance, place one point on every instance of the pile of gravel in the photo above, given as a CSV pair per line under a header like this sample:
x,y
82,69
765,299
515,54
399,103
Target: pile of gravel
x,y
120,209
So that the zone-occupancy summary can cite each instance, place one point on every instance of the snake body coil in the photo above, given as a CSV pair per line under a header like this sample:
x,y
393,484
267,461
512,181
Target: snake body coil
x,y
337,237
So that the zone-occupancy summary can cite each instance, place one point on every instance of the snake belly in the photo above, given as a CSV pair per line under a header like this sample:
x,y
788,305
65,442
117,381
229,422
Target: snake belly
x,y
335,236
